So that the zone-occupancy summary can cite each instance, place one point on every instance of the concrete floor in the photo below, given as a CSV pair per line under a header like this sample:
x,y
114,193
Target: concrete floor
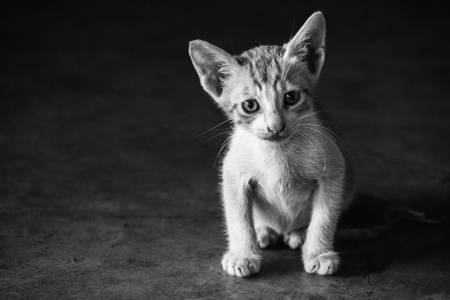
x,y
108,192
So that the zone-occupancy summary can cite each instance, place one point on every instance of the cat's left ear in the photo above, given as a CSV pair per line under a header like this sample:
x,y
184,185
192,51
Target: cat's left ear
x,y
308,44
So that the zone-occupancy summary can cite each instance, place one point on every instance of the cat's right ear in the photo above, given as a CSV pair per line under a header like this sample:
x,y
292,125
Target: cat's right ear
x,y
213,66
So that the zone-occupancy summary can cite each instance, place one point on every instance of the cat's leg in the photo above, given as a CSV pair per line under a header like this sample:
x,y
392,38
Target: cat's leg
x,y
295,239
242,258
318,254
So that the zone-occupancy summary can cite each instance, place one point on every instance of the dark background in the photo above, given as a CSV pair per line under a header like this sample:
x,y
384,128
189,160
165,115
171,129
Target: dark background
x,y
107,190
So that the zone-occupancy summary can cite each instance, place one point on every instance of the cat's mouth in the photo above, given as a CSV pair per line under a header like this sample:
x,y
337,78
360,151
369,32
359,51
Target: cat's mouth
x,y
274,137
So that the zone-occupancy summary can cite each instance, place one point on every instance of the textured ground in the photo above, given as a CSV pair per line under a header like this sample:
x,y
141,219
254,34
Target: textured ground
x,y
106,192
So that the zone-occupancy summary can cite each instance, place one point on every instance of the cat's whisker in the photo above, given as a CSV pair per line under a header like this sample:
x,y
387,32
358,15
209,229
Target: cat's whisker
x,y
293,30
327,130
307,138
332,124
217,135
320,146
316,113
330,140
336,127
224,145
306,116
211,129
232,48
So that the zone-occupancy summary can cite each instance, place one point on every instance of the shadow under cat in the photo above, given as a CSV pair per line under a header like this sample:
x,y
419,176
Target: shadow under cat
x,y
373,234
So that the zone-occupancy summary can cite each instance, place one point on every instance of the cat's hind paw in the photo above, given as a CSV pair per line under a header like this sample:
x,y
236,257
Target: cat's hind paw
x,y
266,237
239,265
323,264
295,239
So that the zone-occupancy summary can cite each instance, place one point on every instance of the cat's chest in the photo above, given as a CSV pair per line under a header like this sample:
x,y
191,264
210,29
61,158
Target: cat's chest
x,y
278,174
280,184
285,194
273,163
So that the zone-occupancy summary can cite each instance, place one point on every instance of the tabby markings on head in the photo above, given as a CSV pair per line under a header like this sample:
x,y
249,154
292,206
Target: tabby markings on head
x,y
264,64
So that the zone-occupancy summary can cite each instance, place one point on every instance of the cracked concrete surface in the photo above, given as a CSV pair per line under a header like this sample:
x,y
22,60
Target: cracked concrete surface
x,y
107,191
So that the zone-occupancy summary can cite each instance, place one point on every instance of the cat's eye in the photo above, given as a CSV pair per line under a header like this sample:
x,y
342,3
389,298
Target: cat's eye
x,y
250,106
291,98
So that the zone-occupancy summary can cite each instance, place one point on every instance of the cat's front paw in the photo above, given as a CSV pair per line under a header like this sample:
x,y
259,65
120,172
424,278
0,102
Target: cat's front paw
x,y
323,264
239,265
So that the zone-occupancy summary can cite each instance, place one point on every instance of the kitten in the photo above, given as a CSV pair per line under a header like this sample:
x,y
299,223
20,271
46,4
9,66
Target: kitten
x,y
284,174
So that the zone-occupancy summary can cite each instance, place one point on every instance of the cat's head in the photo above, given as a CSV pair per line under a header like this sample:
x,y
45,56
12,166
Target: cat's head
x,y
268,88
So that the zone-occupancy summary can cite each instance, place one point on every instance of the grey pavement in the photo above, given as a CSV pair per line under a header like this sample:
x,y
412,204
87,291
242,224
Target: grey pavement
x,y
109,189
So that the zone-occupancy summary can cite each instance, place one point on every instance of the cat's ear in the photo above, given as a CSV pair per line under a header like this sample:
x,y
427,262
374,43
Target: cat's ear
x,y
213,66
308,44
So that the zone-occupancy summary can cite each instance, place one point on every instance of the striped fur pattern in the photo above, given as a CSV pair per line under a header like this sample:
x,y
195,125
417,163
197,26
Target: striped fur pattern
x,y
284,174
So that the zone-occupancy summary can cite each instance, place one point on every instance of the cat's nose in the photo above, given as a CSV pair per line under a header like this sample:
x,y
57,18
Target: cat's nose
x,y
277,128
275,122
